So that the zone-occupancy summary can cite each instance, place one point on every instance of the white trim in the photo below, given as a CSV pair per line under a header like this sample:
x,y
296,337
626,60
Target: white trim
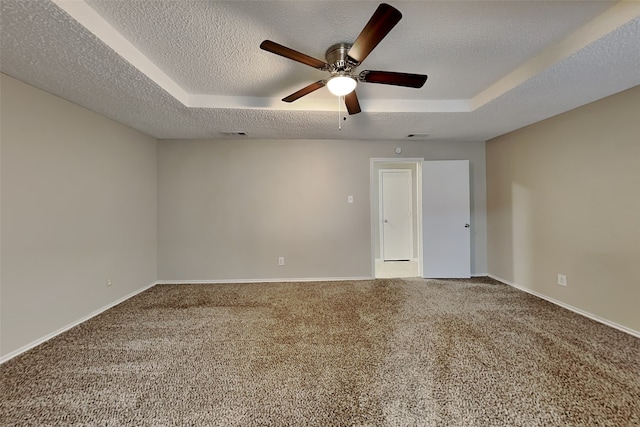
x,y
409,260
285,280
328,104
86,16
419,218
607,22
65,328
103,30
380,215
411,160
396,160
570,307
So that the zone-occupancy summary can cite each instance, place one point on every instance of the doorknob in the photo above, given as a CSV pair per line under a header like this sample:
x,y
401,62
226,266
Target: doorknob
x,y
466,226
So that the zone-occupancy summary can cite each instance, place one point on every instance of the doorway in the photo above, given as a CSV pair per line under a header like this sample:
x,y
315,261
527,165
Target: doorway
x,y
440,216
395,212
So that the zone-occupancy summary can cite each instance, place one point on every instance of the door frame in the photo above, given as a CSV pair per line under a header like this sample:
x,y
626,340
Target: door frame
x,y
374,207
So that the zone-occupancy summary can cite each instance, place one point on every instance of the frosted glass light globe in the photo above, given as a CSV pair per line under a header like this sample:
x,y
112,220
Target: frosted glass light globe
x,y
341,85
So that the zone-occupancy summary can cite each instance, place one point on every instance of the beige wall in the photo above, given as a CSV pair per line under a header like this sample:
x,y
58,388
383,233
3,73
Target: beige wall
x,y
229,208
564,197
79,200
83,199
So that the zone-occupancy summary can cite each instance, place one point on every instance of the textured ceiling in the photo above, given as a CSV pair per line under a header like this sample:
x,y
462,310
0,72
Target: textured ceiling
x,y
193,69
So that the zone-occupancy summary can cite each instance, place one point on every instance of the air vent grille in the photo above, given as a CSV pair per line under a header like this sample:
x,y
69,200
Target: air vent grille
x,y
234,134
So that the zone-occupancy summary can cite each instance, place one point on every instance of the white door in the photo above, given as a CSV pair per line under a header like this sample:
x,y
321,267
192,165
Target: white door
x,y
446,219
395,214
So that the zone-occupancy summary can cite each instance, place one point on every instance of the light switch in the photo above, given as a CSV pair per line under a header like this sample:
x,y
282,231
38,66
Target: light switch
x,y
350,199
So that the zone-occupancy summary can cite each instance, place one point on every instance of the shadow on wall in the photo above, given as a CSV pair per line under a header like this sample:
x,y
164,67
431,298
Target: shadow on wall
x,y
522,235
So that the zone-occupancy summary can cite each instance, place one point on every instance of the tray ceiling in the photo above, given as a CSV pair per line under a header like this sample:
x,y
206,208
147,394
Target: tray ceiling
x,y
193,69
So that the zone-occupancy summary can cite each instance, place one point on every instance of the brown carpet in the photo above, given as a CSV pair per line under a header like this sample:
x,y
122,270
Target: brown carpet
x,y
371,353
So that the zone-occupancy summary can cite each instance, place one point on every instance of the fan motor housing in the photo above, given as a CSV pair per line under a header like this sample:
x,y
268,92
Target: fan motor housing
x,y
336,56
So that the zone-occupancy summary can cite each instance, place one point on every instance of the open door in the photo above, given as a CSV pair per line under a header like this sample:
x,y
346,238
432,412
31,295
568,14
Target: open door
x,y
446,219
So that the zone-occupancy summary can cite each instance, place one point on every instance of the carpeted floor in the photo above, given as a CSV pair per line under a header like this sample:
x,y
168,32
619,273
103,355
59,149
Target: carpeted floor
x,y
369,353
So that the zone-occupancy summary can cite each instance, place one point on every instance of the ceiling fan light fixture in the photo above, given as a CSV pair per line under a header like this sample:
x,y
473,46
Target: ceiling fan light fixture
x,y
342,59
341,85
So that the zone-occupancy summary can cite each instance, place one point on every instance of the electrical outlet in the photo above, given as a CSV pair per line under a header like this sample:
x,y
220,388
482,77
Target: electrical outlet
x,y
562,280
281,260
109,282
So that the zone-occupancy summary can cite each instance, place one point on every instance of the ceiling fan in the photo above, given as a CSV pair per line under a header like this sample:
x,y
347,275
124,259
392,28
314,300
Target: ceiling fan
x,y
343,58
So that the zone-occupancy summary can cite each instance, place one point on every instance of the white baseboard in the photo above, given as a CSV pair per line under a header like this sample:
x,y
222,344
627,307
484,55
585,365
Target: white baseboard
x,y
570,307
315,279
284,280
65,328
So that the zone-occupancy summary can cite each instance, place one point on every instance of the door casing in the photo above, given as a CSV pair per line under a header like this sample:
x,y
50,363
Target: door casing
x,y
381,163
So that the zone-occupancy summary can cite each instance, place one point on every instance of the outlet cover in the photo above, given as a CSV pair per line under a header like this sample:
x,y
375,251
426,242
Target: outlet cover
x,y
562,280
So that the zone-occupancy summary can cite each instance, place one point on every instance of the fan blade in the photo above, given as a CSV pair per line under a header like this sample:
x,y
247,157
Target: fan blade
x,y
294,55
353,106
396,79
383,20
304,91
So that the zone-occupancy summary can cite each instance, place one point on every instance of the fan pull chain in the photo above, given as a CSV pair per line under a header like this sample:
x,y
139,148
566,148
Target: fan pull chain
x,y
339,122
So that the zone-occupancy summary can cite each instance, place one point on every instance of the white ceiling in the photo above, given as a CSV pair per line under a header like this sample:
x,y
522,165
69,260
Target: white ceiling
x,y
194,69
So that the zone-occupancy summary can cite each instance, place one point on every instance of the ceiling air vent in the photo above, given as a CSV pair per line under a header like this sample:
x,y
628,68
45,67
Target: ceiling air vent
x,y
234,134
418,135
